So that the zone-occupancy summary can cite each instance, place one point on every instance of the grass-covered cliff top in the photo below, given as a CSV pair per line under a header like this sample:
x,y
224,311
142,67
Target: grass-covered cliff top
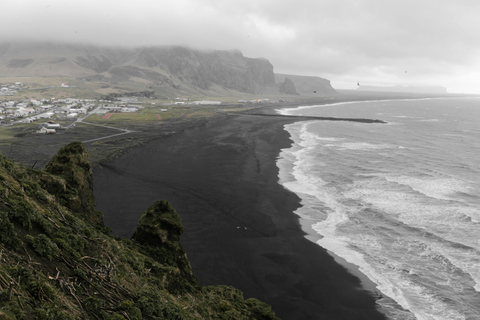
x,y
58,261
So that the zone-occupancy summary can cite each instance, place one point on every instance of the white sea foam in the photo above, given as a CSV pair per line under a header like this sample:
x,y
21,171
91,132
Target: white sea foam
x,y
362,146
430,120
341,246
392,274
448,220
406,117
467,260
297,110
439,188
290,111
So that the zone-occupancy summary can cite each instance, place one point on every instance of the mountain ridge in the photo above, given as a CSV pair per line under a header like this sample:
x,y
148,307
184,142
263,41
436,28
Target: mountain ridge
x,y
172,69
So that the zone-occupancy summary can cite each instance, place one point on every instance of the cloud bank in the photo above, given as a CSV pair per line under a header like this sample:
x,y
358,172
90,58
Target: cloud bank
x,y
377,42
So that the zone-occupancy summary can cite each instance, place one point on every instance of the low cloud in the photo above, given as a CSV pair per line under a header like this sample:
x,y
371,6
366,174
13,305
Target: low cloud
x,y
373,40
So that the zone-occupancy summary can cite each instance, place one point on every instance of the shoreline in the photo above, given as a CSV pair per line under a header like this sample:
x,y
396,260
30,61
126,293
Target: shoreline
x,y
241,230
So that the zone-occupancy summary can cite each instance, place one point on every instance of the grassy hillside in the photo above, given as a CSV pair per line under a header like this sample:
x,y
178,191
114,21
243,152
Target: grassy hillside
x,y
58,261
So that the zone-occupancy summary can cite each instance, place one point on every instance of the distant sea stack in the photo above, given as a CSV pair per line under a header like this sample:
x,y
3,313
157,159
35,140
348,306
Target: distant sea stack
x,y
288,87
404,89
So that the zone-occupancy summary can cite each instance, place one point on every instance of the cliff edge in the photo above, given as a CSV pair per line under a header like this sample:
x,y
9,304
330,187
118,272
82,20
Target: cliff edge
x,y
58,261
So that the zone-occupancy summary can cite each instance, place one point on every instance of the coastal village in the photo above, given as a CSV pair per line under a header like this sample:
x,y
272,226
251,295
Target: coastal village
x,y
47,112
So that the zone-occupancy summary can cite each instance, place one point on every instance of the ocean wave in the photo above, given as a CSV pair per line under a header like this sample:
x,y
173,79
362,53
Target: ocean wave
x,y
289,111
362,146
430,120
438,188
408,219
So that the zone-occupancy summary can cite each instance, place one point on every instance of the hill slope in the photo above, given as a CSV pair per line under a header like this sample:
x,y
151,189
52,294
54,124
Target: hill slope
x,y
57,261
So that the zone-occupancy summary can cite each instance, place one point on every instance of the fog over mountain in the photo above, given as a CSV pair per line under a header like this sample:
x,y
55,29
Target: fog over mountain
x,y
173,67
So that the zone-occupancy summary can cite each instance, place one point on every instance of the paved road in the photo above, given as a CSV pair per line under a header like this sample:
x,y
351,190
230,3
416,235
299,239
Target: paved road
x,y
123,131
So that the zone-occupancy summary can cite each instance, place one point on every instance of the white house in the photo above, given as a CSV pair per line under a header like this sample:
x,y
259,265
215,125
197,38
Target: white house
x,y
46,107
77,110
206,102
20,113
46,115
28,109
46,131
27,120
53,126
125,109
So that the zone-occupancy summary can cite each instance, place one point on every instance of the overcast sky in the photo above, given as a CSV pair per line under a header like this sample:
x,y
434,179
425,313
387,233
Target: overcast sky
x,y
374,42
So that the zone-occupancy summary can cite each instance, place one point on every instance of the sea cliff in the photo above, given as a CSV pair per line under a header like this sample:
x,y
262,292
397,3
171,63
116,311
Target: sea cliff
x,y
165,71
59,261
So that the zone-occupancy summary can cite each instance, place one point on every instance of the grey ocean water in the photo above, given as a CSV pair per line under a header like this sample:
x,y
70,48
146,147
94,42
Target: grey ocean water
x,y
399,200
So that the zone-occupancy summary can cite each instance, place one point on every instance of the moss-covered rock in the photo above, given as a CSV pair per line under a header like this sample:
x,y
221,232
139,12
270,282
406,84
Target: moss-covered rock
x,y
75,189
159,230
159,224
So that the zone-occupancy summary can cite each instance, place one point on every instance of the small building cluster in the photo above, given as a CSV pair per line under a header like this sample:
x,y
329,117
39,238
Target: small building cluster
x,y
49,128
202,102
108,107
264,101
31,110
10,90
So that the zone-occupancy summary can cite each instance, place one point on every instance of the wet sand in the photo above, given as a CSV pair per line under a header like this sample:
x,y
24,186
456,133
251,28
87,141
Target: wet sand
x,y
222,179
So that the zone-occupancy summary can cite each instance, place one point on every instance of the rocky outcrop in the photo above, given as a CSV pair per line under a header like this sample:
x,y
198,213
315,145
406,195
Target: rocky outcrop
x,y
159,228
75,188
288,87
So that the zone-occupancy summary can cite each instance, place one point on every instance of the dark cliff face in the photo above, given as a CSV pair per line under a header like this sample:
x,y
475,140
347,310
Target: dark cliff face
x,y
203,69
172,65
178,70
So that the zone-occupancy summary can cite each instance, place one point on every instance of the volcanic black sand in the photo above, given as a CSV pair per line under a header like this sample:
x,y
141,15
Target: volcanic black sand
x,y
222,179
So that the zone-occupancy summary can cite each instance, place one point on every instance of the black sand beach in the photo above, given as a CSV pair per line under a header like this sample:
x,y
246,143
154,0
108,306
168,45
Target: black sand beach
x,y
222,179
